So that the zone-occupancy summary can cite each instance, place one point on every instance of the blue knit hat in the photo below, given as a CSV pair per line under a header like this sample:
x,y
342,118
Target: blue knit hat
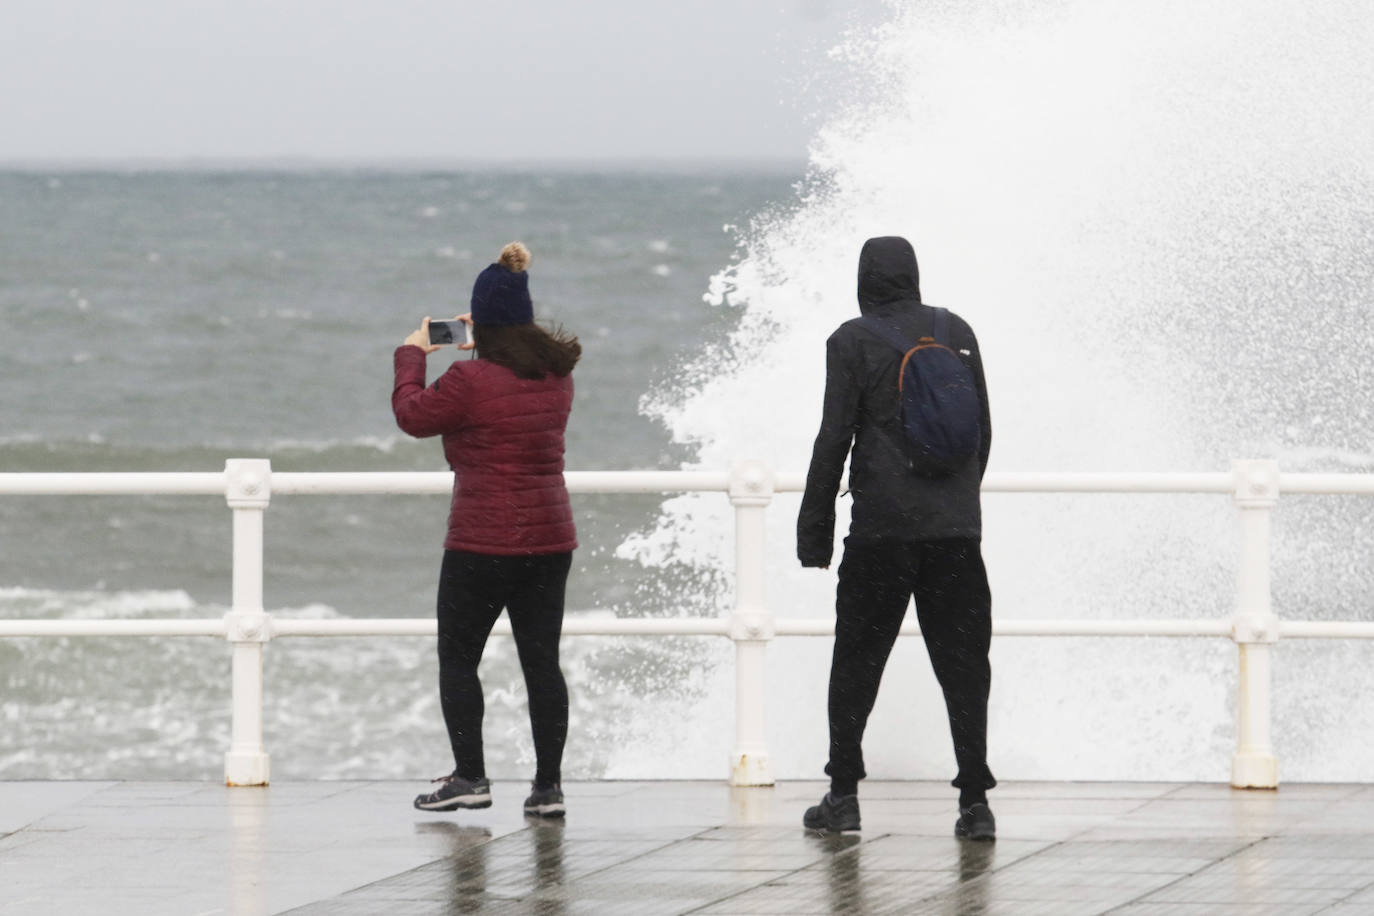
x,y
501,295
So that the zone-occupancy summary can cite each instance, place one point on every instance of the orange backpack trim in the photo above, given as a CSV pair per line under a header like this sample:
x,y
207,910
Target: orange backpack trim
x,y
921,344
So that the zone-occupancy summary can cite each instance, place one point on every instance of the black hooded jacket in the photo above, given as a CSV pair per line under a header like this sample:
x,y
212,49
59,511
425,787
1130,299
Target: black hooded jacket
x,y
862,408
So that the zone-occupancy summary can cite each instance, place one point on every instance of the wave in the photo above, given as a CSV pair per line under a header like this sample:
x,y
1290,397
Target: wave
x,y
358,707
1073,221
20,602
31,452
96,604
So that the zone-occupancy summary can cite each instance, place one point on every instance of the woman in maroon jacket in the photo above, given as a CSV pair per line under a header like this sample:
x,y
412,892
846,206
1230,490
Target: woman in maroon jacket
x,y
510,528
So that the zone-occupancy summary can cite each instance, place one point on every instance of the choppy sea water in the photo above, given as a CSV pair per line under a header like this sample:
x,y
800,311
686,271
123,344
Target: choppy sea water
x,y
168,321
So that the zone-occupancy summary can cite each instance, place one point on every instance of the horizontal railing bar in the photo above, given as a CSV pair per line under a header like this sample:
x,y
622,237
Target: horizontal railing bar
x,y
1069,627
646,481
665,626
172,483
113,483
686,481
1326,629
1107,482
375,626
380,482
572,626
1327,484
1080,627
311,483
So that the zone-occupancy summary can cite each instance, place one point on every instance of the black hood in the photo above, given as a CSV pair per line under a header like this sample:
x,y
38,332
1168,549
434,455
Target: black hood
x,y
887,273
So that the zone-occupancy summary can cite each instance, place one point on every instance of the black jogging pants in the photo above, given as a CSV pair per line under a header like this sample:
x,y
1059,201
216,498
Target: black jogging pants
x,y
954,607
473,589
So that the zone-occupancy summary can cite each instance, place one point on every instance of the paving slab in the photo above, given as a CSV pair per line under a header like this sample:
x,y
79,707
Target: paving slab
x,y
313,848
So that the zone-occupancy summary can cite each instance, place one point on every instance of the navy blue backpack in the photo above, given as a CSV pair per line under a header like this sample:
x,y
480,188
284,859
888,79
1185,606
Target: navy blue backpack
x,y
939,400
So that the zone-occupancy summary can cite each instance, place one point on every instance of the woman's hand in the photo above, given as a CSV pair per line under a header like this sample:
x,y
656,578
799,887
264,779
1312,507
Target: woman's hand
x,y
420,338
466,319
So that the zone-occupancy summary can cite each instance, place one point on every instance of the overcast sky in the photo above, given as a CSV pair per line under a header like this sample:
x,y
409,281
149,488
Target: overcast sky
x,y
386,79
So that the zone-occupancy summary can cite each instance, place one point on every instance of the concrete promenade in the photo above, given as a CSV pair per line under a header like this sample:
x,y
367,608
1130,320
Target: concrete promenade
x,y
1136,849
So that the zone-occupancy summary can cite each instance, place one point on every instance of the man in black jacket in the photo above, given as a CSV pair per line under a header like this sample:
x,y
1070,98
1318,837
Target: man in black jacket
x,y
909,536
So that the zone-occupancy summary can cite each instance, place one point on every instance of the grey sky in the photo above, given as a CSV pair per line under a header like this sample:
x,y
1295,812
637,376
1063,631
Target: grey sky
x,y
367,79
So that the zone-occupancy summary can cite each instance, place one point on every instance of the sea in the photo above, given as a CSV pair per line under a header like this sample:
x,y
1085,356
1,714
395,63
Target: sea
x,y
1158,219
170,319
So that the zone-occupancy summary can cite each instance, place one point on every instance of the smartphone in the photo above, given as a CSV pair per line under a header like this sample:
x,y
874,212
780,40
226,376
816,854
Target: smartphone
x,y
449,332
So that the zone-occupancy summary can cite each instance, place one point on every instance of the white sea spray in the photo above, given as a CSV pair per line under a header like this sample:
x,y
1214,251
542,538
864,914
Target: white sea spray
x,y
1081,181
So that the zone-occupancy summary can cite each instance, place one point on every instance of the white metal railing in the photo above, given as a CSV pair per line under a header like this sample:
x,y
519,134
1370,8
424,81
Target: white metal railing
x,y
248,485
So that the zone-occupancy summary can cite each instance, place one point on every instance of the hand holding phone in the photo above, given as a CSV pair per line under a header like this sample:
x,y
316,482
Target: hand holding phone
x,y
442,333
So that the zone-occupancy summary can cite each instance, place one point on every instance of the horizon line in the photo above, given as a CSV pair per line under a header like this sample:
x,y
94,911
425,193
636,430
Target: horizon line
x,y
400,163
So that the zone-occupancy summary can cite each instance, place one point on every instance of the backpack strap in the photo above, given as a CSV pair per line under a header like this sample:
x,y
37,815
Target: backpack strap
x,y
899,340
941,326
888,333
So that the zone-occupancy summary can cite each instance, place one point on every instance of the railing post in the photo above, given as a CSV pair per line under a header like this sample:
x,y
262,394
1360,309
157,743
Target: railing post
x,y
751,625
1255,628
248,491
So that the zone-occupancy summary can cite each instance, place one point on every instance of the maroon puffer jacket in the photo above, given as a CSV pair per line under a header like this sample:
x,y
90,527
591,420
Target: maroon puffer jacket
x,y
503,437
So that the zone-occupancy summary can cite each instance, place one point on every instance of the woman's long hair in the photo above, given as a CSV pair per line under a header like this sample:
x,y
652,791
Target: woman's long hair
x,y
527,349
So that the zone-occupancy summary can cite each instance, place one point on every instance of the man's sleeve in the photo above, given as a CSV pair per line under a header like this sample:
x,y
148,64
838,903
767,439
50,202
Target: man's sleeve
x,y
422,411
985,412
839,421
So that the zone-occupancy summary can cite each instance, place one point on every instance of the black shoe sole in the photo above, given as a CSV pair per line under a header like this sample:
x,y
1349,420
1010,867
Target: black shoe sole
x,y
825,829
554,810
820,825
454,804
964,833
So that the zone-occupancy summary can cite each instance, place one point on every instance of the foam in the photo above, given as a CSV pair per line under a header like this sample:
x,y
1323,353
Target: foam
x,y
157,707
17,601
98,604
383,444
1120,199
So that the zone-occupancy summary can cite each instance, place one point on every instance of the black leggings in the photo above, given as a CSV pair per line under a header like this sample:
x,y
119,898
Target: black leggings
x,y
473,588
954,607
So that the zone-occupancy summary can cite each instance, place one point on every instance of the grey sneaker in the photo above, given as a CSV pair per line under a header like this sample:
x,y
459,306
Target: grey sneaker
x,y
976,823
546,802
835,813
456,792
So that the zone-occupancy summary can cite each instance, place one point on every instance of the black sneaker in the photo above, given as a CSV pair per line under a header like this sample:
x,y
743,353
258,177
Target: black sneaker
x,y
546,802
835,813
976,823
456,792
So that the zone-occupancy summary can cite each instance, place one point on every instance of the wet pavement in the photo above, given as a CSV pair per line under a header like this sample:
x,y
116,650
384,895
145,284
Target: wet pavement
x,y
683,847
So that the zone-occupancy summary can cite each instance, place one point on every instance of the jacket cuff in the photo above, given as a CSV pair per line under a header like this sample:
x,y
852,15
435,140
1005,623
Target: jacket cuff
x,y
409,355
409,363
